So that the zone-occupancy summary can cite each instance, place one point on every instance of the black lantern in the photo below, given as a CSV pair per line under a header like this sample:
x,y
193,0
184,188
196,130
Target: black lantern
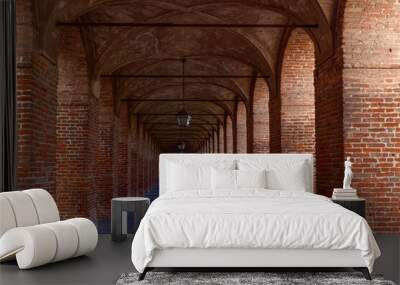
x,y
182,146
183,118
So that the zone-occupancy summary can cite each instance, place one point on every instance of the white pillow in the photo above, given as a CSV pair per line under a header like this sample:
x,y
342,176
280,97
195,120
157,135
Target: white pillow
x,y
288,176
193,174
223,179
282,174
251,178
182,177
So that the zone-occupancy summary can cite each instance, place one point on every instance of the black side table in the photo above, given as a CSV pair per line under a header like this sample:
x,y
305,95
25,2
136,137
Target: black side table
x,y
119,208
356,205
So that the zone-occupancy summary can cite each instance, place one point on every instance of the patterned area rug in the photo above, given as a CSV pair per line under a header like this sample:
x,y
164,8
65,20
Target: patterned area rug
x,y
244,278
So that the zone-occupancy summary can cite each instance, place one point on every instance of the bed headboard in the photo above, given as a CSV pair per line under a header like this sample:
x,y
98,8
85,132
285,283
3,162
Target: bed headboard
x,y
204,158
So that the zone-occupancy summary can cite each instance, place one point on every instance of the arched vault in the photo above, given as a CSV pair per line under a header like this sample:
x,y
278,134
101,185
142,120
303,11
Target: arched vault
x,y
113,51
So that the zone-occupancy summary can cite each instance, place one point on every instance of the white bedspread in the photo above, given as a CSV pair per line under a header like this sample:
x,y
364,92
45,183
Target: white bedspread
x,y
250,219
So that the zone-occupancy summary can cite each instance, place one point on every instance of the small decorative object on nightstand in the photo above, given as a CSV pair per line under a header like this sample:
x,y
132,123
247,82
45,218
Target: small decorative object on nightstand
x,y
119,208
347,192
348,174
356,205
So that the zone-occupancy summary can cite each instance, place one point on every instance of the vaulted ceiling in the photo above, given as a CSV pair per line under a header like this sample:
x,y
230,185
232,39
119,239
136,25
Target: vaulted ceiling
x,y
223,50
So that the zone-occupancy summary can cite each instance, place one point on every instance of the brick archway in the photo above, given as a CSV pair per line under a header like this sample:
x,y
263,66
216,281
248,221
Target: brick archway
x,y
261,117
241,128
297,95
80,139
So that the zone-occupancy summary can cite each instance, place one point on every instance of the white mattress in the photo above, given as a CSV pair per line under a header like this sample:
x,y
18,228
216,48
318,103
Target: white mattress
x,y
252,219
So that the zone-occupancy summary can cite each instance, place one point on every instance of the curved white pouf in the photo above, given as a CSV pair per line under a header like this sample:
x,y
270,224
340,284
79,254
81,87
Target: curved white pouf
x,y
37,245
31,233
67,240
46,208
32,246
87,235
7,220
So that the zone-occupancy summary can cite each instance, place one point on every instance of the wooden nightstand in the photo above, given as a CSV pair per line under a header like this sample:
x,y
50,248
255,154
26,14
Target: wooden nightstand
x,y
356,205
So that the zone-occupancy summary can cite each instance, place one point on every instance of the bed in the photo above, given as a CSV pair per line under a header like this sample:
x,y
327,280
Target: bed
x,y
246,211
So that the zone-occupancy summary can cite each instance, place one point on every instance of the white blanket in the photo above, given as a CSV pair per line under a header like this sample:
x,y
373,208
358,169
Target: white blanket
x,y
250,219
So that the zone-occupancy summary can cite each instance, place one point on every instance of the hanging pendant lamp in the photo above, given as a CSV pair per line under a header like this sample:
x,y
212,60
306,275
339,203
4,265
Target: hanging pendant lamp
x,y
182,146
183,118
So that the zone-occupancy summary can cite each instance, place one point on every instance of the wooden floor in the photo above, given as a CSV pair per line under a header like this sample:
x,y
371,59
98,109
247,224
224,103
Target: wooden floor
x,y
110,260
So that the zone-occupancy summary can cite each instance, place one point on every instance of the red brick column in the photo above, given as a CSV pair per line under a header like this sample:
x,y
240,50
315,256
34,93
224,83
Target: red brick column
x,y
72,126
152,162
36,106
224,134
297,95
93,112
120,152
329,125
105,145
250,116
140,162
275,123
235,128
215,141
229,135
133,157
241,128
261,117
147,162
371,100
220,139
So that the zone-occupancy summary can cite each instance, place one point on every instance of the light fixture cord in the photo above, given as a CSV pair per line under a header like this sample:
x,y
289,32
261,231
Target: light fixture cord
x,y
183,82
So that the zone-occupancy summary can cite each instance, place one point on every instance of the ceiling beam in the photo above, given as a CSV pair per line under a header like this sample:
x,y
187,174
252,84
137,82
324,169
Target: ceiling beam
x,y
191,139
174,115
182,25
194,132
177,100
174,124
178,131
166,76
170,141
165,137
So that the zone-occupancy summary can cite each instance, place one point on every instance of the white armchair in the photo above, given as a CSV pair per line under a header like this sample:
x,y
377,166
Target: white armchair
x,y
31,230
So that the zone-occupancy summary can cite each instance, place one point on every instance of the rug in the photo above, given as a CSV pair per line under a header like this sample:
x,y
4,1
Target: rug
x,y
244,278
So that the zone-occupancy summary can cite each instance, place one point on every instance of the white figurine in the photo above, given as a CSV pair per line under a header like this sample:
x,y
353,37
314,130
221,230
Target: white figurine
x,y
348,174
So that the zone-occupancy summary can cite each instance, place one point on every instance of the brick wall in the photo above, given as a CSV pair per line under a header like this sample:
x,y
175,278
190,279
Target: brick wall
x,y
92,198
140,170
215,140
80,149
261,117
132,162
297,95
65,139
275,123
121,130
221,139
72,126
36,107
105,147
328,81
229,135
371,112
241,128
329,125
